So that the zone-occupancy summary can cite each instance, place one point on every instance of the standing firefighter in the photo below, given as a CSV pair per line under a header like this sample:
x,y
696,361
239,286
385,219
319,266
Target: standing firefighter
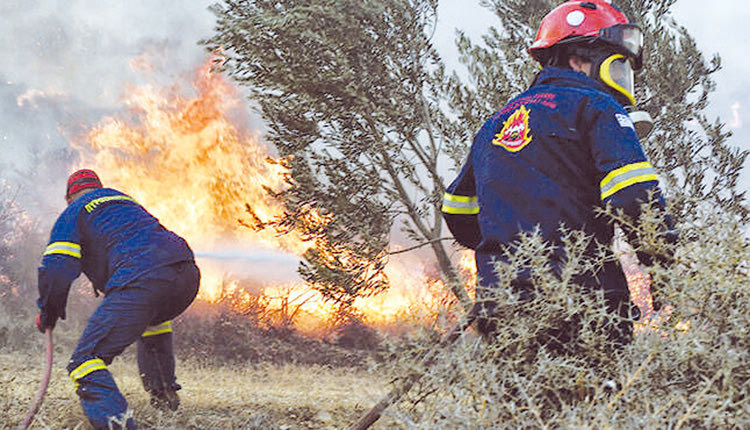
x,y
148,277
557,152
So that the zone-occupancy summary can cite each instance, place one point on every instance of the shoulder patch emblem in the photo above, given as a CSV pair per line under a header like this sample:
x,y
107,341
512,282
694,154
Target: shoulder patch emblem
x,y
515,133
624,121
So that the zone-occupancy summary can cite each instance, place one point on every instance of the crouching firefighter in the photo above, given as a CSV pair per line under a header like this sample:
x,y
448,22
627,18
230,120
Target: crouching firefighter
x,y
558,153
148,277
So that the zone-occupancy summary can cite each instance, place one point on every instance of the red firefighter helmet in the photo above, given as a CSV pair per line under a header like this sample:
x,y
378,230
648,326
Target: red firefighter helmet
x,y
583,20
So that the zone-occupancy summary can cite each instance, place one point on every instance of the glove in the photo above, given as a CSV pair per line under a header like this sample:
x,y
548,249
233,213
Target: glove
x,y
45,321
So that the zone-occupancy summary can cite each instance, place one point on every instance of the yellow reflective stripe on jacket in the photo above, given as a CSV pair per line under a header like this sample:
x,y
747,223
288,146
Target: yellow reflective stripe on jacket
x,y
65,248
626,176
86,368
462,205
165,327
90,206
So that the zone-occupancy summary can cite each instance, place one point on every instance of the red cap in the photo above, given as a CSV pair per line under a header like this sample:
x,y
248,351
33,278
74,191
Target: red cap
x,y
82,179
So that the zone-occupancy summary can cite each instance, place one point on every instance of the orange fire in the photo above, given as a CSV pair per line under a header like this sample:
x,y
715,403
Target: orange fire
x,y
193,164
639,284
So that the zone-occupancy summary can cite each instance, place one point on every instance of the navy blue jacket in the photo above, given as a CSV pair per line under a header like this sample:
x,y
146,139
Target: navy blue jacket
x,y
111,239
549,157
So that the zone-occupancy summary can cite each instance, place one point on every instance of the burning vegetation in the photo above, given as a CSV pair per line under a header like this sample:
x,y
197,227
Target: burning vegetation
x,y
673,377
186,153
193,163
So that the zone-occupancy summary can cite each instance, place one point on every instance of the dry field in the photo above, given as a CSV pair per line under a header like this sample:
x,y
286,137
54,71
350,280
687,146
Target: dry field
x,y
690,370
213,397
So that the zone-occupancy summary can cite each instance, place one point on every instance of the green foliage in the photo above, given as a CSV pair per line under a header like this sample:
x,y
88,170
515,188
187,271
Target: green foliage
x,y
350,91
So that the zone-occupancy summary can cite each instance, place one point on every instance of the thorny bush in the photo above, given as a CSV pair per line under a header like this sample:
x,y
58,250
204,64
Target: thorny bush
x,y
686,368
20,246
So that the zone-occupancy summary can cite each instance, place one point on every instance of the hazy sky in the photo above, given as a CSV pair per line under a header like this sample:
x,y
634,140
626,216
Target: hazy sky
x,y
66,62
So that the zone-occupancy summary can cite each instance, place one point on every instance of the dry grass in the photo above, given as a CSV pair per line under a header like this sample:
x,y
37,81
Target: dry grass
x,y
213,397
237,377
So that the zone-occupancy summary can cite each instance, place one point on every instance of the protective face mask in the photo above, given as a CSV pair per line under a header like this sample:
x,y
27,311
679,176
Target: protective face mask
x,y
616,72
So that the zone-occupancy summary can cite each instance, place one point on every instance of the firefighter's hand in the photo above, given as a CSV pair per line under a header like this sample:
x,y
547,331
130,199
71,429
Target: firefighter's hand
x,y
44,321
657,303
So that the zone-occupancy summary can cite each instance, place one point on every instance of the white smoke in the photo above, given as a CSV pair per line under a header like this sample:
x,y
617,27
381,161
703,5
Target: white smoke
x,y
64,67
82,48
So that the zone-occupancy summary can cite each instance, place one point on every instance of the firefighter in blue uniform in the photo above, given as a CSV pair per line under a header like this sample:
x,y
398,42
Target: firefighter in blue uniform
x,y
558,151
148,277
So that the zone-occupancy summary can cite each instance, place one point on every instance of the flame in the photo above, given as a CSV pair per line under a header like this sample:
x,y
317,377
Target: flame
x,y
639,284
191,163
467,267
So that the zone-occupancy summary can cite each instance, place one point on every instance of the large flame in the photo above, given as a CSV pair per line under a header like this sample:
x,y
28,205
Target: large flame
x,y
188,164
193,164
191,161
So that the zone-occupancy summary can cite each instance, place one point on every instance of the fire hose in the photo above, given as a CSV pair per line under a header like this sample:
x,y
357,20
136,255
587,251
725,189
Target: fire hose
x,y
396,393
43,385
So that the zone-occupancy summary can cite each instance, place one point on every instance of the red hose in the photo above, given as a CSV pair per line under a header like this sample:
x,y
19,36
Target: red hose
x,y
44,384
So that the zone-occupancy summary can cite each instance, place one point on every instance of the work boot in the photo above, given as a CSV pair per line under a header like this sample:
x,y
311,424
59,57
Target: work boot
x,y
123,421
166,399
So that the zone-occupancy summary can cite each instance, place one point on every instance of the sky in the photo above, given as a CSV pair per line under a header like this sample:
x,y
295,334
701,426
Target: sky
x,y
65,64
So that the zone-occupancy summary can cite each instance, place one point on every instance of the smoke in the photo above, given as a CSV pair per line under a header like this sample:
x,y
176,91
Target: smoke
x,y
65,65
83,47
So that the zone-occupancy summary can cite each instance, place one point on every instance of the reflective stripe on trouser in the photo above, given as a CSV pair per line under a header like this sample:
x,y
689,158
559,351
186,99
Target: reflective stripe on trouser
x,y
102,402
156,363
165,327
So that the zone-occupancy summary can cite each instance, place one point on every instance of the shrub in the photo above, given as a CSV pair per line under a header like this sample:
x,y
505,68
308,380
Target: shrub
x,y
220,334
670,376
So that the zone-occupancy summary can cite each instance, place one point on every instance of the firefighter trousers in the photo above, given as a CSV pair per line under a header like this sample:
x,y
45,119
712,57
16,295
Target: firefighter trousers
x,y
618,330
139,312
